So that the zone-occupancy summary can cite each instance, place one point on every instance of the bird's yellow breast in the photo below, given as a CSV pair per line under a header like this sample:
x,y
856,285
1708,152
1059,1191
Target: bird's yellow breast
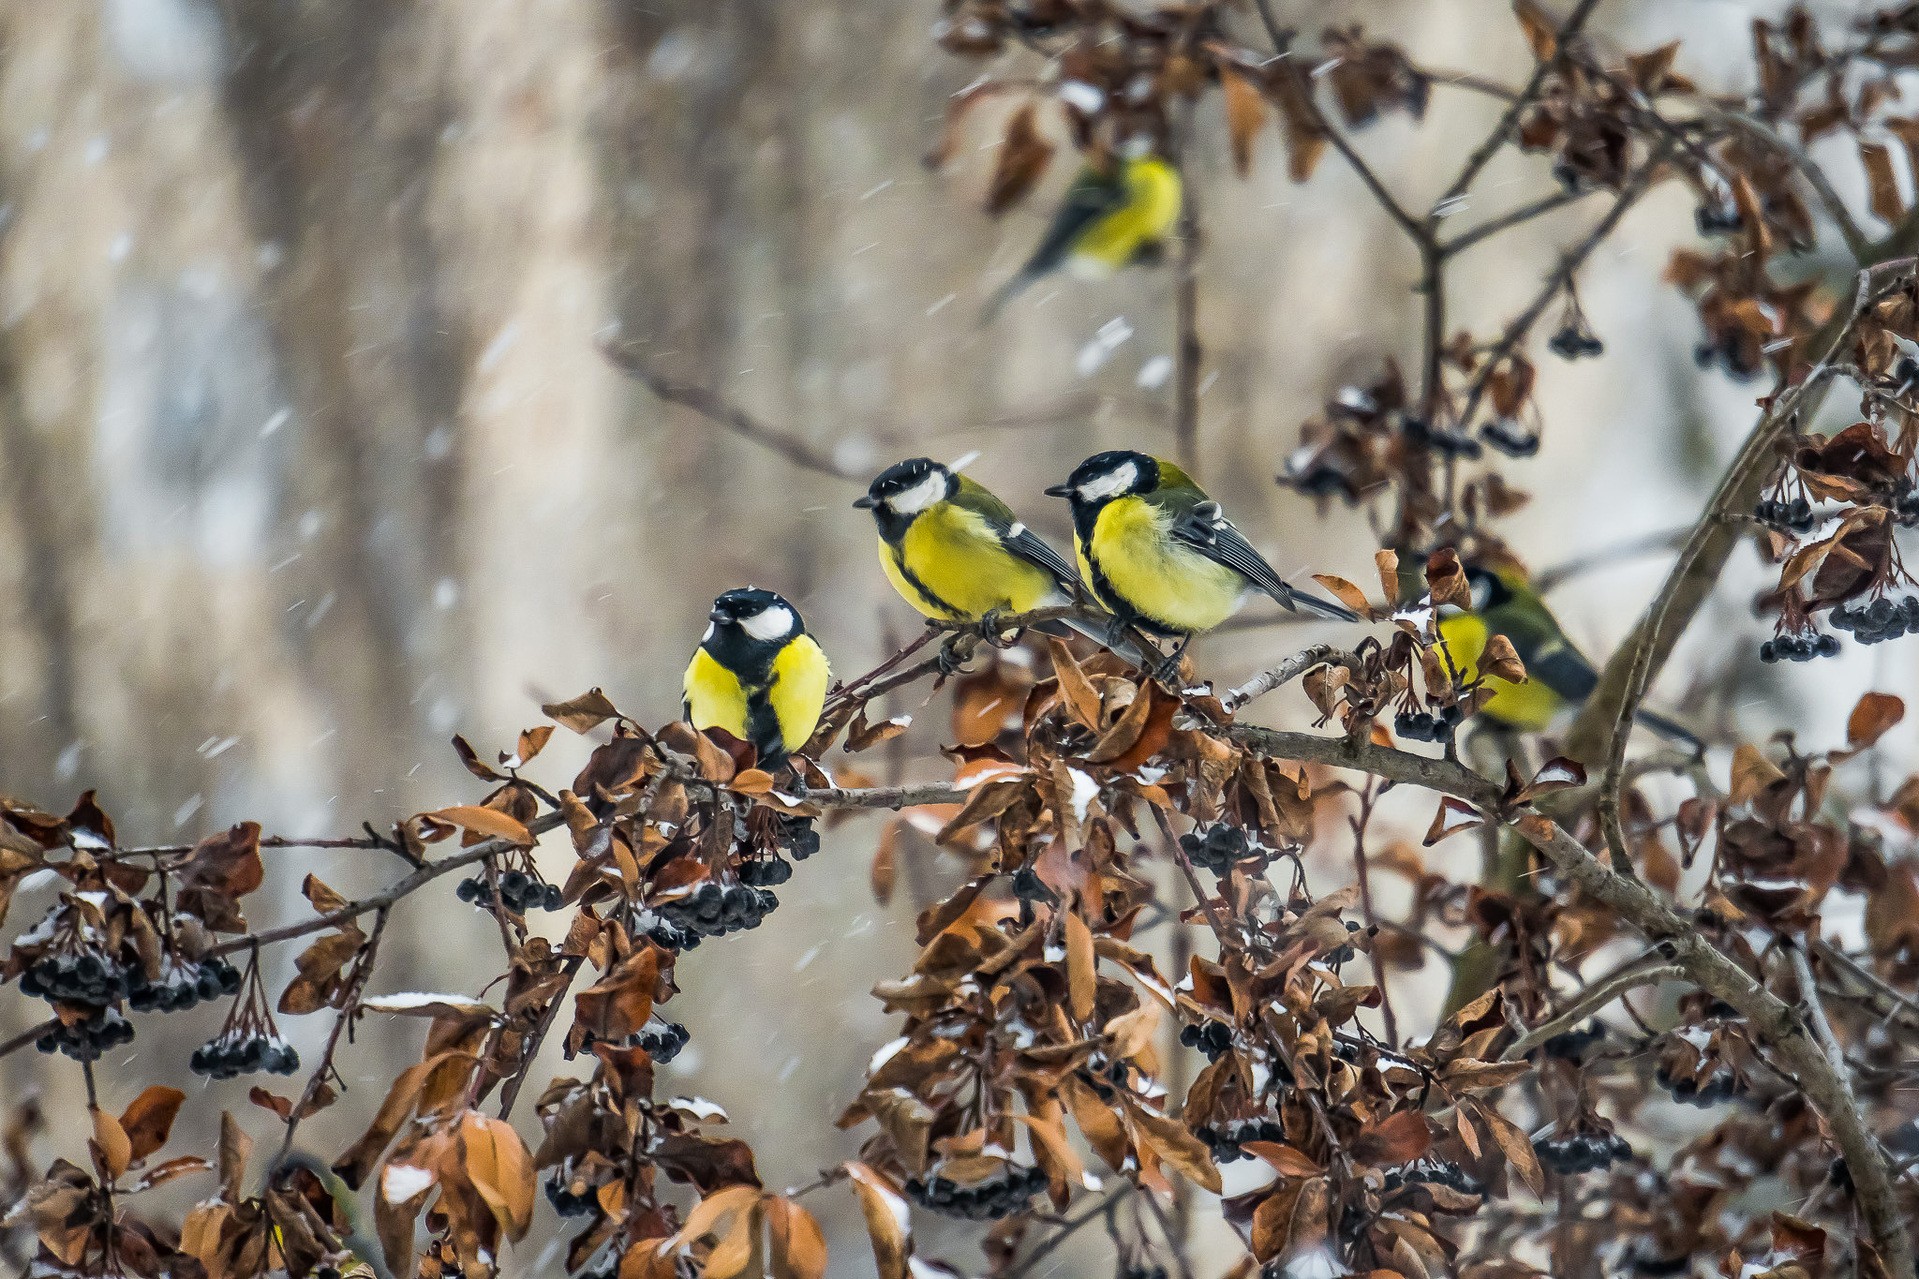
x,y
1148,216
715,698
1528,706
1132,556
950,564
798,689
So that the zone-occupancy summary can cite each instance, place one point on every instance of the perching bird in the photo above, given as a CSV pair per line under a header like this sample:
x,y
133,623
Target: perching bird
x,y
957,553
757,674
1112,217
1156,551
954,551
1558,676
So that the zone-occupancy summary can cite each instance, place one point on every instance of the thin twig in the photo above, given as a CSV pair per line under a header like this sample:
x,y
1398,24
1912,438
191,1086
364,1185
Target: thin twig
x,y
349,1009
626,358
1506,221
1282,41
1188,354
1569,264
1509,120
1607,556
1067,1228
510,1091
1590,1002
1286,672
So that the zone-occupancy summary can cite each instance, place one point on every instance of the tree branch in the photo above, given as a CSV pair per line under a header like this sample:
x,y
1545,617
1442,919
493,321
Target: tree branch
x,y
1604,722
1509,121
626,358
1590,1002
1772,1020
1286,672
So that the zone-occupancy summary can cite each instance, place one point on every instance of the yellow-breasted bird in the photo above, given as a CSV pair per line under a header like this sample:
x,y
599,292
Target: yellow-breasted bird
x,y
1111,218
1558,676
1157,552
957,553
757,674
954,551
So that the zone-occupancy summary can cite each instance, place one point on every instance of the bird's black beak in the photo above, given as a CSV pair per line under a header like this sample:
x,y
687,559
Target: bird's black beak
x,y
1060,490
866,503
719,615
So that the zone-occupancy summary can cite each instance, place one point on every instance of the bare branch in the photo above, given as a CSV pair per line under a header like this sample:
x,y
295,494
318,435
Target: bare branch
x,y
709,405
1509,121
1591,1001
1286,672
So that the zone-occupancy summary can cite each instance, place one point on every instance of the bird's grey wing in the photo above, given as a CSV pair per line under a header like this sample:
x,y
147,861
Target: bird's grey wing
x,y
1210,533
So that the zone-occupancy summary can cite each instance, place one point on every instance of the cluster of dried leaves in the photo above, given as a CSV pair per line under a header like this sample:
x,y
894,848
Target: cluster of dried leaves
x,y
1677,1039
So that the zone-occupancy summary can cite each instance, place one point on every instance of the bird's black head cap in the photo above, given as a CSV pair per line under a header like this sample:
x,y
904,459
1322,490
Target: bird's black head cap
x,y
1105,476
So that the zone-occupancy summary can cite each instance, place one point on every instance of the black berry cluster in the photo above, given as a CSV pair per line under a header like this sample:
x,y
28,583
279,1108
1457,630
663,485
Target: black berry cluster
x,y
1799,646
1225,1141
663,1040
101,1030
519,893
1008,1192
1719,1084
1787,515
85,976
1572,1045
713,910
1213,1038
1510,438
1575,342
1433,1172
1581,1151
799,838
665,933
1215,850
1883,619
568,1201
1343,954
238,1052
1441,440
1721,217
1427,726
182,984
1905,500
765,872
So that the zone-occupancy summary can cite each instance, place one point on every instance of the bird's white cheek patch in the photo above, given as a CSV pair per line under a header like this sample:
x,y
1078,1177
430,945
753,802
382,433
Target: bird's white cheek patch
x,y
769,624
709,633
1112,484
922,495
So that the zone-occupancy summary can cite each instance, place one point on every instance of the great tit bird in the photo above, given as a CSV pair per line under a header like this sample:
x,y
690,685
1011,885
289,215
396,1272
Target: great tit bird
x,y
957,553
954,551
1558,676
1112,217
757,674
1157,552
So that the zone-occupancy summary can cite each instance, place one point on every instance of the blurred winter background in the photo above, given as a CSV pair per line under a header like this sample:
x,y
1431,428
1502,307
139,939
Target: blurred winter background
x,y
309,459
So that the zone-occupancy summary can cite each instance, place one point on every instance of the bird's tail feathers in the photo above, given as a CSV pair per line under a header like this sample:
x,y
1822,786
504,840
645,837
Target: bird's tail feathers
x,y
1298,600
1004,294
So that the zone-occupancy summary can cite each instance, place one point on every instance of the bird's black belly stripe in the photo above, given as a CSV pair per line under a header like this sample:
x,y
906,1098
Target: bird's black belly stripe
x,y
1122,608
926,592
763,726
